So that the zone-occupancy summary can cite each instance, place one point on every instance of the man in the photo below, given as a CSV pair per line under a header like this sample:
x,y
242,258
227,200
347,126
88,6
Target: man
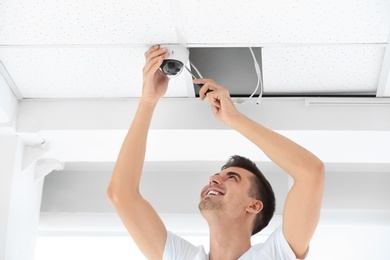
x,y
229,203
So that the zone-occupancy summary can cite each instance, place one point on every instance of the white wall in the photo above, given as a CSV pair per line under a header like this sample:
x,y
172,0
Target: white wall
x,y
20,202
8,153
351,242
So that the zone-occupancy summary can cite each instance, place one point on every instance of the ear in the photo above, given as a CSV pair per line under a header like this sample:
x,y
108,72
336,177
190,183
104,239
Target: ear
x,y
255,207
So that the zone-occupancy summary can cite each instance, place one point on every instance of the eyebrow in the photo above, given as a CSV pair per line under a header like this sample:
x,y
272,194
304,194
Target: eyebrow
x,y
232,174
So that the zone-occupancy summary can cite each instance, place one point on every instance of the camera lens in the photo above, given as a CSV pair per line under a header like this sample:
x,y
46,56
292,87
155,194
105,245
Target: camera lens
x,y
171,68
171,65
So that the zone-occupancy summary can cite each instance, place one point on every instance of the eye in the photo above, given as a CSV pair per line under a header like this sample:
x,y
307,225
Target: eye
x,y
234,177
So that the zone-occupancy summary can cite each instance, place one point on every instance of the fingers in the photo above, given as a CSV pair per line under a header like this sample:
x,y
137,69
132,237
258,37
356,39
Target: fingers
x,y
219,99
154,58
213,92
153,52
152,49
208,86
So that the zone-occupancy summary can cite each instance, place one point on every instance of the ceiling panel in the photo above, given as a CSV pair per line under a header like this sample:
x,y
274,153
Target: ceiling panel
x,y
86,22
322,69
270,21
89,49
81,72
202,21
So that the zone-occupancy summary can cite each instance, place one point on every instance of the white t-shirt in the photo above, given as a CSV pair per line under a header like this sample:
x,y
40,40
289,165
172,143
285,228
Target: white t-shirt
x,y
275,248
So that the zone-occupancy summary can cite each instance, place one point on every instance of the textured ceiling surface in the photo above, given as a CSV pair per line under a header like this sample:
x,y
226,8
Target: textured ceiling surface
x,y
89,49
335,69
81,72
217,22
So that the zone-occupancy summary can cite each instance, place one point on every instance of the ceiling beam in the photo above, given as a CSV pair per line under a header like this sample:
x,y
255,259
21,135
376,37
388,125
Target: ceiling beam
x,y
45,166
216,145
359,114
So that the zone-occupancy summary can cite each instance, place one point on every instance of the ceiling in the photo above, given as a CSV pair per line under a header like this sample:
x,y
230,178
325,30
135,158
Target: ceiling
x,y
76,71
94,49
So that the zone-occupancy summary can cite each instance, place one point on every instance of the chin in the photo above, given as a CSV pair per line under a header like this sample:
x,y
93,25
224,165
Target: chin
x,y
210,205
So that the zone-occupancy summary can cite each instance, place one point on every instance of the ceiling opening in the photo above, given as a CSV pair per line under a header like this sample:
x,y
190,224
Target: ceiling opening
x,y
326,71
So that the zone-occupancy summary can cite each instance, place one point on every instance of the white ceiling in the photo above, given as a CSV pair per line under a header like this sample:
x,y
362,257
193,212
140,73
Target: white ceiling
x,y
89,49
63,72
216,22
319,69
78,67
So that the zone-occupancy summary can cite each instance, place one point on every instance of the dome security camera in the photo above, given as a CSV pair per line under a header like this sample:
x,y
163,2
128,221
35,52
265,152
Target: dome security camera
x,y
174,64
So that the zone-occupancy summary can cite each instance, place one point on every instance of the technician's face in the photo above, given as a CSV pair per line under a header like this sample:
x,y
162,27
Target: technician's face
x,y
227,192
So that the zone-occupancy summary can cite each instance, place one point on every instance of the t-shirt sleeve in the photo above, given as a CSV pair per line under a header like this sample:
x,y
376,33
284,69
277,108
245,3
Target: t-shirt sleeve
x,y
179,248
277,246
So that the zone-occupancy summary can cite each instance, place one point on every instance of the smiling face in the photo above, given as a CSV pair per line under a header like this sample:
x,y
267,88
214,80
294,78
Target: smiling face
x,y
227,193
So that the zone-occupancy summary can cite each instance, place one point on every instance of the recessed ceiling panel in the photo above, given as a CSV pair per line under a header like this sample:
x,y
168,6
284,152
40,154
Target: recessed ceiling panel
x,y
270,21
232,68
86,22
322,70
81,72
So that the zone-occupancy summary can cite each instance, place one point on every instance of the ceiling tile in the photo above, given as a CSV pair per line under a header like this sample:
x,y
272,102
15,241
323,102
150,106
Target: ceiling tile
x,y
86,22
81,72
322,69
151,22
278,21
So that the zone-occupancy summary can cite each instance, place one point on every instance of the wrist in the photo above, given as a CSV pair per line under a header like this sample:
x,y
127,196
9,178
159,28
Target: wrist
x,y
235,120
148,102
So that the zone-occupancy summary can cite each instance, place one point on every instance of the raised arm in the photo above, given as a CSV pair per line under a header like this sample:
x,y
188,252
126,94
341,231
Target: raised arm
x,y
139,217
303,203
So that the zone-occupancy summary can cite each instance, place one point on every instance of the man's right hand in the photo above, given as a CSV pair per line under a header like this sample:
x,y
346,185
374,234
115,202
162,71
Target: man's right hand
x,y
220,101
155,82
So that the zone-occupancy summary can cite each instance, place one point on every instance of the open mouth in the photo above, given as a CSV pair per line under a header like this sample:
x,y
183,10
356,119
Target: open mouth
x,y
214,193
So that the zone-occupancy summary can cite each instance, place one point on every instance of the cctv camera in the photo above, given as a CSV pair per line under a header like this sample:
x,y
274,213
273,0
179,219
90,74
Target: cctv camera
x,y
174,64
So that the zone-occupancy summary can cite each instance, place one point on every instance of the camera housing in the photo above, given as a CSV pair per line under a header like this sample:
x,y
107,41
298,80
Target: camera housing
x,y
174,64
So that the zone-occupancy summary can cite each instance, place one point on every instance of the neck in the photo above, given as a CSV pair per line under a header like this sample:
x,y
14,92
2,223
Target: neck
x,y
228,239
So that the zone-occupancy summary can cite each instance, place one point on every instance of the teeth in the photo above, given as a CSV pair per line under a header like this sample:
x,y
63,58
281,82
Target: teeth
x,y
213,192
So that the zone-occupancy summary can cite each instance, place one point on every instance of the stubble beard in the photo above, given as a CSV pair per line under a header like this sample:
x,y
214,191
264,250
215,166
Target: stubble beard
x,y
209,204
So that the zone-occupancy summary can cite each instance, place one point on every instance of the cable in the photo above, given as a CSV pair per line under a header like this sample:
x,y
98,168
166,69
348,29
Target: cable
x,y
259,83
192,74
197,71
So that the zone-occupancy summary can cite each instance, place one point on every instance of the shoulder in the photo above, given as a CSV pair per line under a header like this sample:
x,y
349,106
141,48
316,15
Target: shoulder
x,y
177,247
275,247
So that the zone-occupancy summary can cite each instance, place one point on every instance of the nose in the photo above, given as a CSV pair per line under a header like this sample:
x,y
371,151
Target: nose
x,y
215,179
